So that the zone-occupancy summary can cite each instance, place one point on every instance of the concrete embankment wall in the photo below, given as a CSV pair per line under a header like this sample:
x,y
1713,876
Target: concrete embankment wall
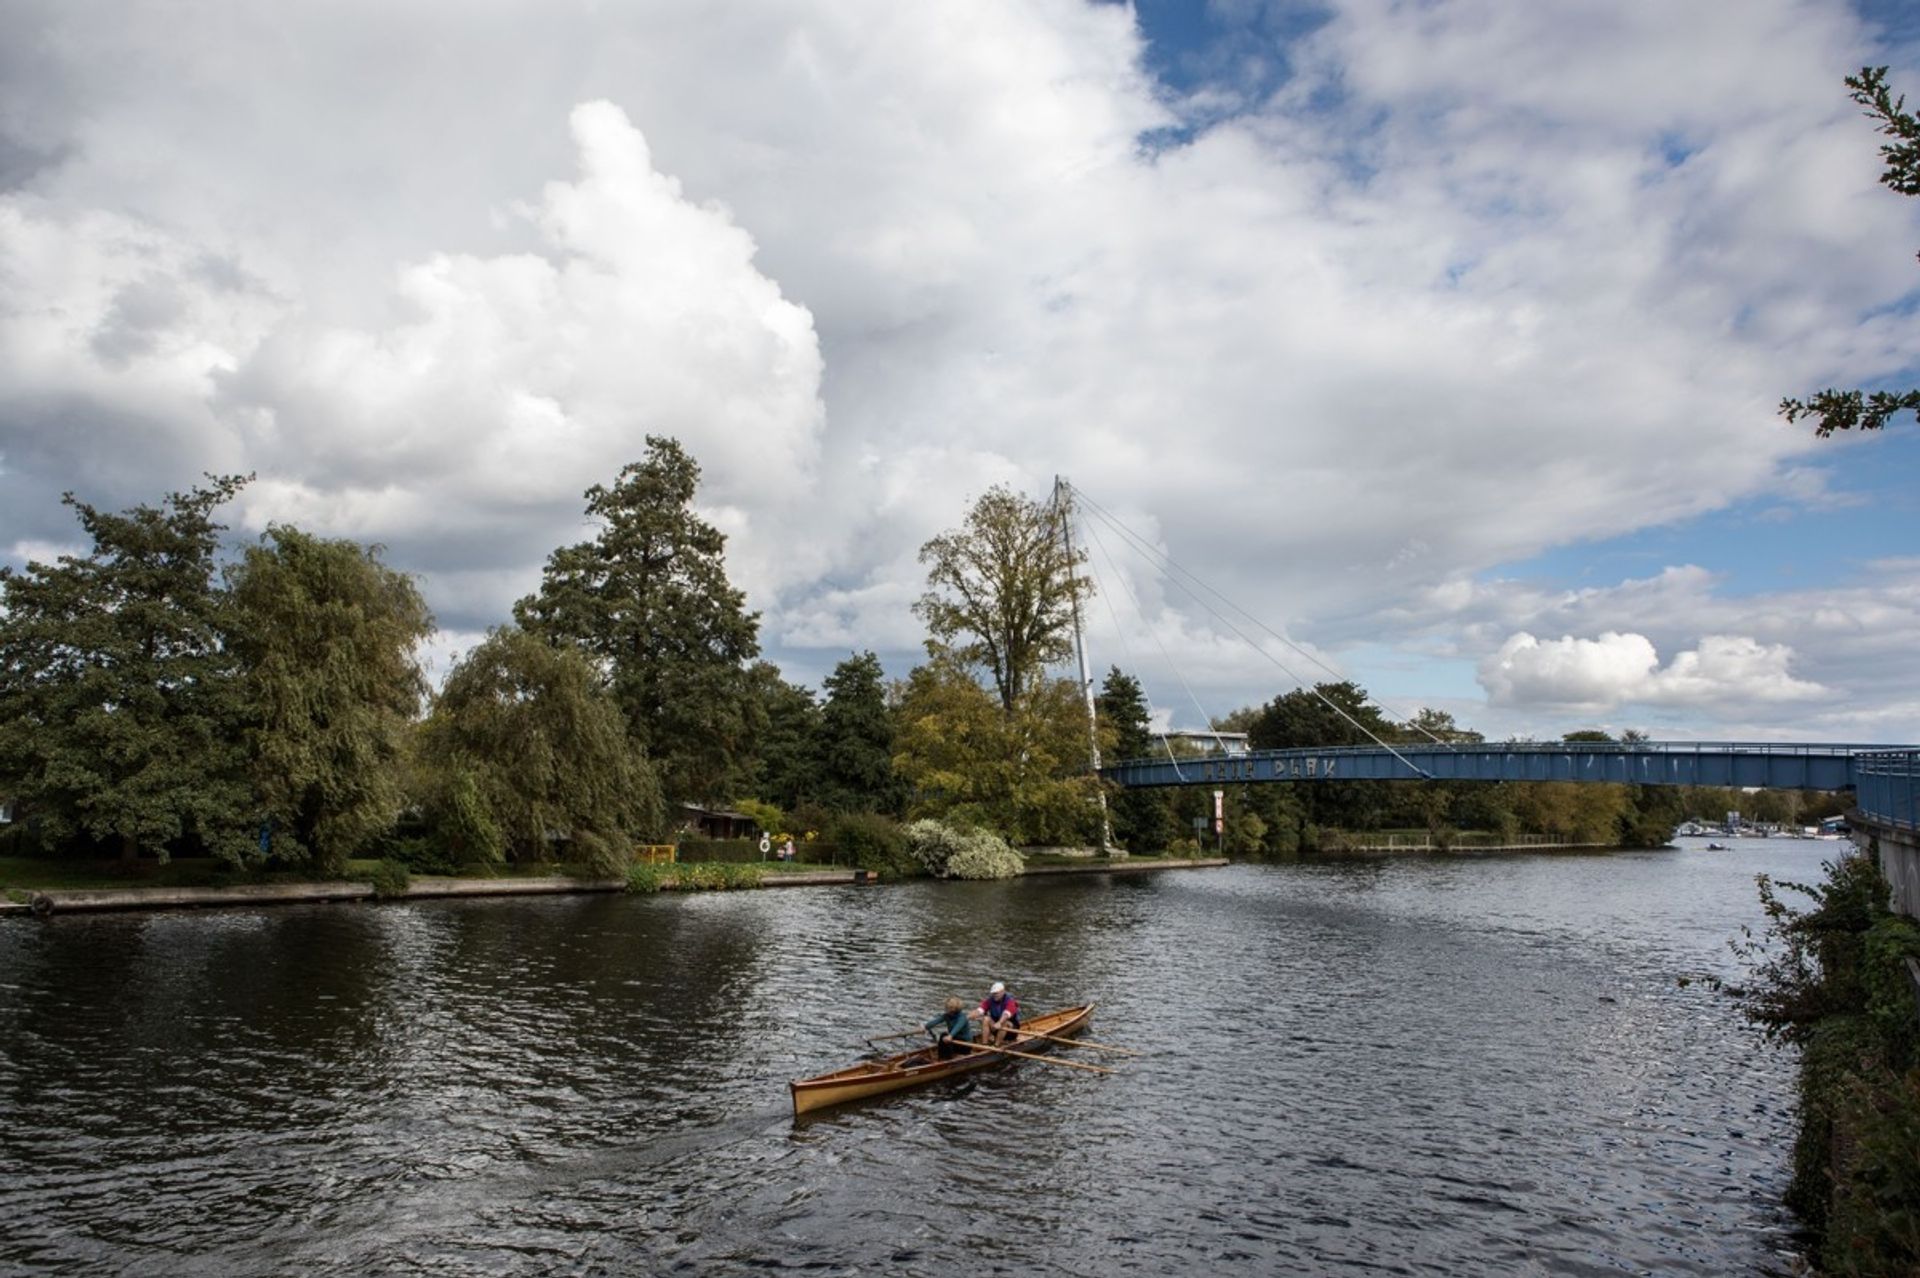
x,y
1899,861
132,898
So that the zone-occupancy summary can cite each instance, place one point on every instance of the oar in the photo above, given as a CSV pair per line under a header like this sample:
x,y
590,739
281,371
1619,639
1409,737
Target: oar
x,y
1076,1042
1044,1060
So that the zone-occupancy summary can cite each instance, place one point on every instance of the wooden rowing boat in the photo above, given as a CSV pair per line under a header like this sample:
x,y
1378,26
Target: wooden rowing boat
x,y
923,1065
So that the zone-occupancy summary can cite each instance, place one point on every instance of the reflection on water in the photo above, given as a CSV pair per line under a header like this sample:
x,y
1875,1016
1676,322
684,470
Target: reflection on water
x,y
1446,1067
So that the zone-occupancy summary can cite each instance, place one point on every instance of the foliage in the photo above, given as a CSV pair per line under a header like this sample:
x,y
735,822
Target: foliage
x,y
872,842
1831,978
984,856
326,634
768,819
1846,409
646,879
950,853
1143,820
389,878
530,729
709,876
119,703
856,740
1001,592
965,761
648,598
786,752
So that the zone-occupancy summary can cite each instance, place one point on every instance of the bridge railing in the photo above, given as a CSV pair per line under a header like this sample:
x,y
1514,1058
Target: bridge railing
x,y
1887,787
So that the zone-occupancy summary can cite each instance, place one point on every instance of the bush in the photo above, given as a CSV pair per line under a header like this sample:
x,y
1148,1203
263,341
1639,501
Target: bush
x,y
984,856
645,879
872,842
389,878
769,818
950,853
717,878
932,845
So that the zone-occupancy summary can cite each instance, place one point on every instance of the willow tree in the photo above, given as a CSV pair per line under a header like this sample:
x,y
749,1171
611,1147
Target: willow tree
x,y
119,705
1834,409
525,750
1001,591
326,634
648,599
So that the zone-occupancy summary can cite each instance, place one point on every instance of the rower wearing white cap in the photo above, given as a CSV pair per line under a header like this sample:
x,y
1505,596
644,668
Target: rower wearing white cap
x,y
999,1015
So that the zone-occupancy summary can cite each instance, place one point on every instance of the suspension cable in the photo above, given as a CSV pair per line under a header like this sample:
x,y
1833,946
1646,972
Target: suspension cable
x,y
1168,561
1140,543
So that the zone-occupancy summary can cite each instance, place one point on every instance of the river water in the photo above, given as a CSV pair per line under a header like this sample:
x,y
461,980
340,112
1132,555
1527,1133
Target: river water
x,y
1407,1067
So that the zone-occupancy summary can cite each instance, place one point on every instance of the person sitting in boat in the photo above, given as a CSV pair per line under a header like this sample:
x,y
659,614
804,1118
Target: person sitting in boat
x,y
951,1029
999,1015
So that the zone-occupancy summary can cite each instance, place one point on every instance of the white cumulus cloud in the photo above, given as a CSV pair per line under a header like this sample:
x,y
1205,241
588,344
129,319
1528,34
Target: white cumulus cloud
x,y
1620,669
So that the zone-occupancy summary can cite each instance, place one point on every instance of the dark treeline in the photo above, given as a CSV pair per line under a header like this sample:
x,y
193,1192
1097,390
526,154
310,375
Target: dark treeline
x,y
161,698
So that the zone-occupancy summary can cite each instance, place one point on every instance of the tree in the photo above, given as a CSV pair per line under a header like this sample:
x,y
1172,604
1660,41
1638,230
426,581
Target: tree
x,y
525,747
119,704
326,634
648,598
1846,409
1001,591
1333,714
786,752
967,761
1143,820
856,740
1438,725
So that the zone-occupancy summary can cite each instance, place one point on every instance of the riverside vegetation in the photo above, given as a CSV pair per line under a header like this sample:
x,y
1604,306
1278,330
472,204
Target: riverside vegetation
x,y
1831,978
262,711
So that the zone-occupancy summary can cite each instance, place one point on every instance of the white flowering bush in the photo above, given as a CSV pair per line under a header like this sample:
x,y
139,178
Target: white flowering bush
x,y
942,850
984,856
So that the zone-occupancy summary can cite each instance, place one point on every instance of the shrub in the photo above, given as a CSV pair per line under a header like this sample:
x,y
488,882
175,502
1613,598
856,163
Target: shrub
x,y
984,856
765,815
645,879
951,853
389,878
932,845
717,878
872,842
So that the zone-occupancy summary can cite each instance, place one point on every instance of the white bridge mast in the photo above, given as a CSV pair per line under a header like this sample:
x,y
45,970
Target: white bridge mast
x,y
1063,501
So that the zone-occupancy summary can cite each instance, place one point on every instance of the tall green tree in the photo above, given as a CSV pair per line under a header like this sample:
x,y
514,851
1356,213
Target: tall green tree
x,y
525,748
1143,820
648,598
1001,591
119,704
327,635
1834,409
856,740
1333,714
786,751
965,759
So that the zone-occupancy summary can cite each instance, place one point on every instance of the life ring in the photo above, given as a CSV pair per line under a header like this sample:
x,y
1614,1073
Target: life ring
x,y
41,904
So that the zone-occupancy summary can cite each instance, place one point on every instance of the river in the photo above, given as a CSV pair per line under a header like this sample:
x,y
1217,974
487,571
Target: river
x,y
1401,1066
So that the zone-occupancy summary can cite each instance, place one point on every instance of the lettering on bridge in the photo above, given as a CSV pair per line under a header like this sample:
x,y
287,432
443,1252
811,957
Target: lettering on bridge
x,y
1283,769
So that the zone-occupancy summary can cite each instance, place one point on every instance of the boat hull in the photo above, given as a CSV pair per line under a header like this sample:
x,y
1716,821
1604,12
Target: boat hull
x,y
921,1067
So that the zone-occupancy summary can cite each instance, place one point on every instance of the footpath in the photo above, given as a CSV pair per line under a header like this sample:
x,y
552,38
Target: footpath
x,y
85,900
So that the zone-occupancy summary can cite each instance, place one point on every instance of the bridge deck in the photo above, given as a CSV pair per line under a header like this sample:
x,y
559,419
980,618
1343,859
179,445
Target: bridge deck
x,y
1764,765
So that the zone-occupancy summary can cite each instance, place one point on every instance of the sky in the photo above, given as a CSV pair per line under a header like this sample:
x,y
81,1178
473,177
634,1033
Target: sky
x,y
1443,337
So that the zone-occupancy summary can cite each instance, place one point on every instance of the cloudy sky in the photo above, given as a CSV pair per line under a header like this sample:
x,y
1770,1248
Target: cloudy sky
x,y
1442,337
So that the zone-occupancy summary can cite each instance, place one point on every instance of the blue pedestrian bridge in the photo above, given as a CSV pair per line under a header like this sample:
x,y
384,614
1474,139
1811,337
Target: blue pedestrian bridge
x,y
1886,779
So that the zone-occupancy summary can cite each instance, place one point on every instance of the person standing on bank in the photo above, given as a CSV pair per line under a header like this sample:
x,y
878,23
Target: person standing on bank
x,y
999,1015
